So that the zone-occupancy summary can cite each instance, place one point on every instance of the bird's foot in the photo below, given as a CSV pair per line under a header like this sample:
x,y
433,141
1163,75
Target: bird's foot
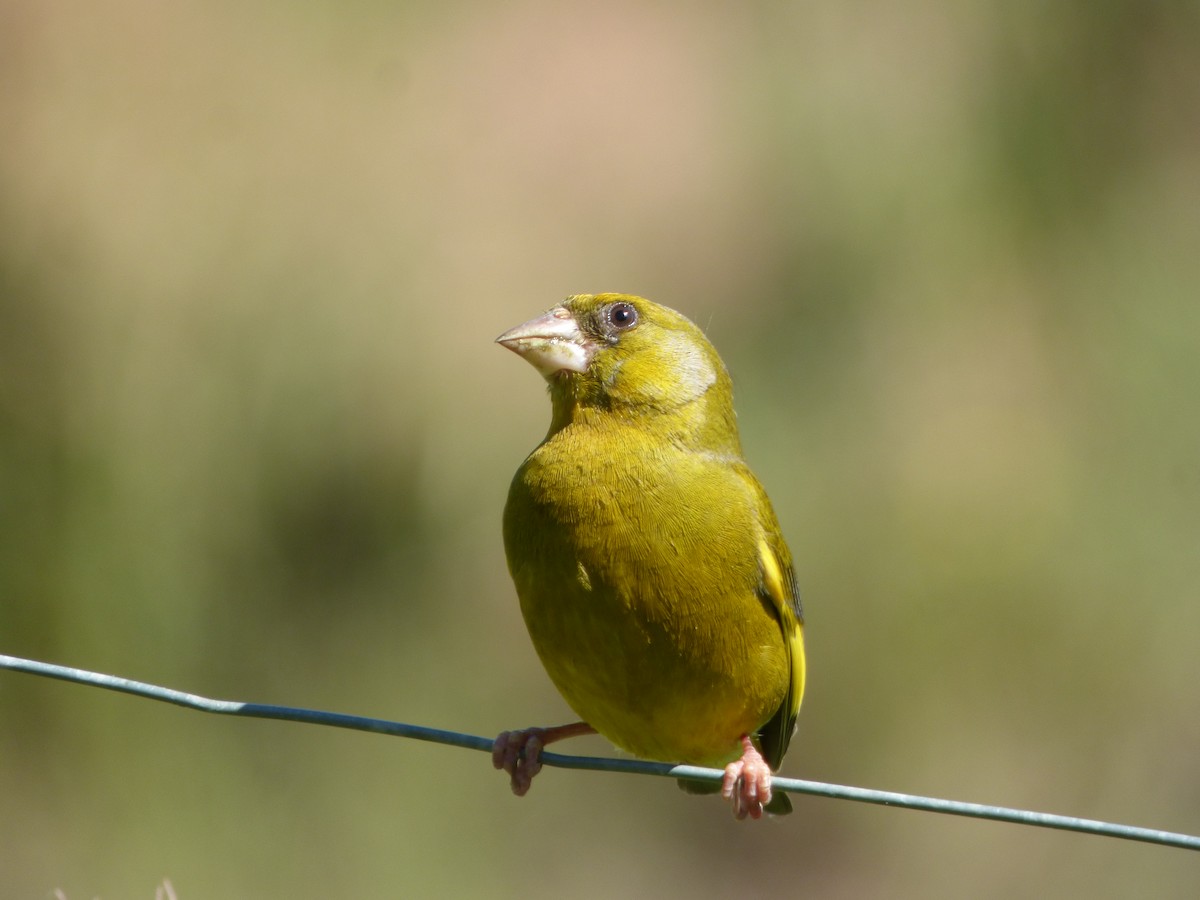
x,y
747,782
519,753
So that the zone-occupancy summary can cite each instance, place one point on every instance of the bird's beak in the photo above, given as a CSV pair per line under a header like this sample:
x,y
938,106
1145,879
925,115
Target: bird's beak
x,y
551,343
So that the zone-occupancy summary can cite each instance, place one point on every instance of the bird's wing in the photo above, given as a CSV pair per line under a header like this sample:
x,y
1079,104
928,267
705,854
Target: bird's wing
x,y
778,588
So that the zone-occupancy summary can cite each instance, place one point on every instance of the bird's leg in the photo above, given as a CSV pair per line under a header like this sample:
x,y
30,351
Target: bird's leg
x,y
747,782
519,753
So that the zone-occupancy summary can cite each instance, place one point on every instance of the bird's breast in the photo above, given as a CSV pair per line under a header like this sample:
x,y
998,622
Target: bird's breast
x,y
636,570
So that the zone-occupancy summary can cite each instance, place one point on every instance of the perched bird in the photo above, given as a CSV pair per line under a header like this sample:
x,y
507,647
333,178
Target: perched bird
x,y
651,572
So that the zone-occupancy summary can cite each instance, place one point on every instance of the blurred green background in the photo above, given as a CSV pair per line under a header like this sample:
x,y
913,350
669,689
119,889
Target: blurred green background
x,y
255,438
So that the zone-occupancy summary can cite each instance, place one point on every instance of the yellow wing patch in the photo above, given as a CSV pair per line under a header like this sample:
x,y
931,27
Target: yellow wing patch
x,y
780,588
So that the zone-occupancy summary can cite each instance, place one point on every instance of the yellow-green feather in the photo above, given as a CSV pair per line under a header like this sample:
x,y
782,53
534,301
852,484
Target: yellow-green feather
x,y
651,572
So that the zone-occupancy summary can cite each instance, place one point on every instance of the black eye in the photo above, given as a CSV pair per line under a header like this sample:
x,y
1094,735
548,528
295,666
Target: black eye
x,y
622,316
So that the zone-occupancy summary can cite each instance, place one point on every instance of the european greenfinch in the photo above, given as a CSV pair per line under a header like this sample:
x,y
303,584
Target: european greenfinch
x,y
650,568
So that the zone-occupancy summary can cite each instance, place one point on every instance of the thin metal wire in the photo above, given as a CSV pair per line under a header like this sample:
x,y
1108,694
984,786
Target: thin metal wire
x,y
598,764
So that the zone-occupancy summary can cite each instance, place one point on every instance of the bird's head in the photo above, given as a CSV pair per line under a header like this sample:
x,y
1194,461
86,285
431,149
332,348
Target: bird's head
x,y
620,354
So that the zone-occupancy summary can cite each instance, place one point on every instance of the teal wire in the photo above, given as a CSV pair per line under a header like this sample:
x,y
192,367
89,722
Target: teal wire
x,y
598,764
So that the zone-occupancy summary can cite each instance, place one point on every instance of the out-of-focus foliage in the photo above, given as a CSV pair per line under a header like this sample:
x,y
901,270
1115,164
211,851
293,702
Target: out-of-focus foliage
x,y
255,440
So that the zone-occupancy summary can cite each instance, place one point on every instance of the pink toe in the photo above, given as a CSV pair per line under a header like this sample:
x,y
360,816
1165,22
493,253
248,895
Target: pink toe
x,y
500,750
747,782
519,753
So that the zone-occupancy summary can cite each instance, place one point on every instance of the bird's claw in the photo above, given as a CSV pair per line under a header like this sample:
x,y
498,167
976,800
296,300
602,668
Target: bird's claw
x,y
519,753
747,782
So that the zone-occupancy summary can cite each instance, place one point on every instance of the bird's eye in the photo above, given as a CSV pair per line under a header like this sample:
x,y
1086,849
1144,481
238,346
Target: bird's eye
x,y
622,316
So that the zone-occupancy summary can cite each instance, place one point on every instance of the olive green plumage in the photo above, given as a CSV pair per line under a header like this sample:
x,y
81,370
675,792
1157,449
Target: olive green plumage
x,y
651,572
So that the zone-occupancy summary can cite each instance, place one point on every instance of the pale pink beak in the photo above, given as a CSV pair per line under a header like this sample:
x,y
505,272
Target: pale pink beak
x,y
551,343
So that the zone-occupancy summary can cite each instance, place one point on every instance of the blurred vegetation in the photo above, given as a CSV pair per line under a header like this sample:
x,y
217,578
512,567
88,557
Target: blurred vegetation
x,y
255,439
